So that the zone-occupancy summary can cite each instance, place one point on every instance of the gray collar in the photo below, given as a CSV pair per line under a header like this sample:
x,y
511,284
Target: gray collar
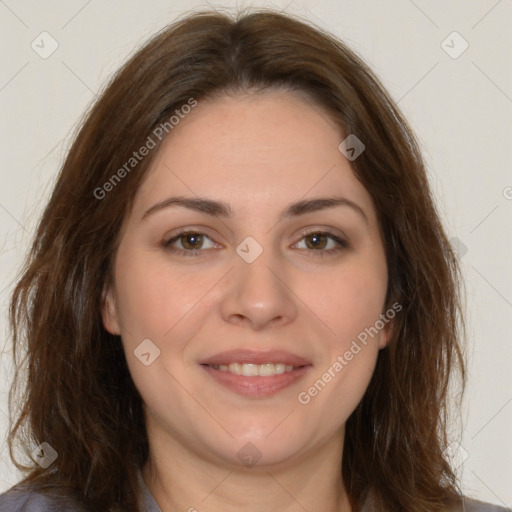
x,y
150,505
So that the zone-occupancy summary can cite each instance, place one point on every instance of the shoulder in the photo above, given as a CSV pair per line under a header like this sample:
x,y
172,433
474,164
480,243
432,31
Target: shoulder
x,y
471,505
23,499
463,504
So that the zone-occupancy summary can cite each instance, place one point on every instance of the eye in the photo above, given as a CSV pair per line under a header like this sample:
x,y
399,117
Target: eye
x,y
321,242
189,243
192,243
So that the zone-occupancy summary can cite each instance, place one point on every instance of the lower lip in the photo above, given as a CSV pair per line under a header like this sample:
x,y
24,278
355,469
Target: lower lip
x,y
256,387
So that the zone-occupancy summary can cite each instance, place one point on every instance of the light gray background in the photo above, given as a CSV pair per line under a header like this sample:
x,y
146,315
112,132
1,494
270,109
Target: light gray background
x,y
460,108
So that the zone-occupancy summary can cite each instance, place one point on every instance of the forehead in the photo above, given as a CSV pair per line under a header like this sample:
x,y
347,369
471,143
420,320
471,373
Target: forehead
x,y
264,148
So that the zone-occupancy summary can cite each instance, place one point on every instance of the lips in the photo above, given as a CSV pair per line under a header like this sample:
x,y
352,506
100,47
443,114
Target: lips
x,y
256,374
256,357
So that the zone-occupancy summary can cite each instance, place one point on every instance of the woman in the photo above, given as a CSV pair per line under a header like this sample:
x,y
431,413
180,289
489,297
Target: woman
x,y
240,294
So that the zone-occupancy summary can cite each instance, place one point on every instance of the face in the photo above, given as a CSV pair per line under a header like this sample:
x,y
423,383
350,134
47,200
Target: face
x,y
249,306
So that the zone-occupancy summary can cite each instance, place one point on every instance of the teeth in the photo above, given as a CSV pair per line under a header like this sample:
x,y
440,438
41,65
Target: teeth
x,y
254,370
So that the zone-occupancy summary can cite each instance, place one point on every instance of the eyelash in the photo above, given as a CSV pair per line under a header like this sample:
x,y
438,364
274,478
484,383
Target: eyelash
x,y
342,244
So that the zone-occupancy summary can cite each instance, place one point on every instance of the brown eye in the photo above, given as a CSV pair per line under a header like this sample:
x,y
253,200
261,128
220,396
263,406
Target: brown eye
x,y
191,241
320,244
316,241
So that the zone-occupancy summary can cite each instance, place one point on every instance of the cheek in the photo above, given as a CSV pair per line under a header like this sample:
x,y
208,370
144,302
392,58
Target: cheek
x,y
350,307
152,297
349,301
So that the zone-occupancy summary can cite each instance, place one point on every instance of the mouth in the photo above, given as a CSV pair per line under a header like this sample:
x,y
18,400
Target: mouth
x,y
256,374
255,370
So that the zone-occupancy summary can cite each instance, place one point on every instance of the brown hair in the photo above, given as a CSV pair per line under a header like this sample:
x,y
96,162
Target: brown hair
x,y
79,396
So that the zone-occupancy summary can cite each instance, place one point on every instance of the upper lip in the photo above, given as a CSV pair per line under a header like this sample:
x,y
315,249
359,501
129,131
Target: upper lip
x,y
256,357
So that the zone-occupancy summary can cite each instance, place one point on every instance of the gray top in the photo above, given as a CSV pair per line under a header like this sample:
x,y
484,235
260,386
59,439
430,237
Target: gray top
x,y
18,499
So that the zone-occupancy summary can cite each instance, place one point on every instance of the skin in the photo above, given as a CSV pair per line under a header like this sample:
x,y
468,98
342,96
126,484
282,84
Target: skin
x,y
258,153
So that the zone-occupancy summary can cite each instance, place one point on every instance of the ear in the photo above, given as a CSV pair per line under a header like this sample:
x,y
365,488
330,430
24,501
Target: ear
x,y
388,331
109,312
386,334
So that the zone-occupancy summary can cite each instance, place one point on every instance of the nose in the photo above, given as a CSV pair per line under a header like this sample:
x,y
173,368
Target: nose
x,y
259,294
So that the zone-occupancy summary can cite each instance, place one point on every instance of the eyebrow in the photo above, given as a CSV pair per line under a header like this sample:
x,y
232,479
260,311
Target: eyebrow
x,y
219,209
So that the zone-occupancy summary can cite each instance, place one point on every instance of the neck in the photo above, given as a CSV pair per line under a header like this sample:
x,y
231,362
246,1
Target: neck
x,y
181,480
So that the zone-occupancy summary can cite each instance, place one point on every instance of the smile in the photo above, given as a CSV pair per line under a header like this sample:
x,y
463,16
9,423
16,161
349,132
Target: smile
x,y
255,370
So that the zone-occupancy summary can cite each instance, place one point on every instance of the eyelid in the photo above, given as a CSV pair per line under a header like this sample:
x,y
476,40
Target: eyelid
x,y
340,236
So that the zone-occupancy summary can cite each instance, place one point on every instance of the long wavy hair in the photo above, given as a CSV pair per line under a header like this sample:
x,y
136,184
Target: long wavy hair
x,y
72,387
